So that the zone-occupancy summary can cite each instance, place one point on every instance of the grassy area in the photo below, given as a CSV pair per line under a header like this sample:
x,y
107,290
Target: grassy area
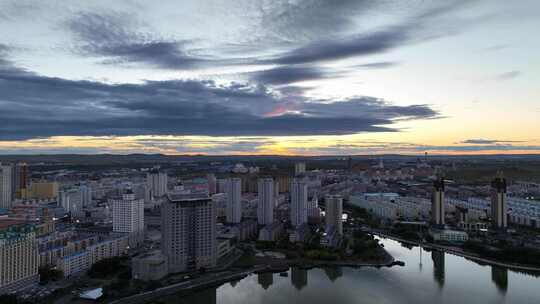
x,y
246,260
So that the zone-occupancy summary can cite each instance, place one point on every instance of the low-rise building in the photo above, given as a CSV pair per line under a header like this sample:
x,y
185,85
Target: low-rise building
x,y
450,236
300,235
330,238
150,266
272,232
224,248
87,251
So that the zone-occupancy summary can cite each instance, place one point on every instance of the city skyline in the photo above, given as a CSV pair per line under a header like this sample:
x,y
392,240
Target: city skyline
x,y
269,77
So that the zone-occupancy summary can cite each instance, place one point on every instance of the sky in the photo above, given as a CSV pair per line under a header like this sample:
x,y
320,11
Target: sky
x,y
312,77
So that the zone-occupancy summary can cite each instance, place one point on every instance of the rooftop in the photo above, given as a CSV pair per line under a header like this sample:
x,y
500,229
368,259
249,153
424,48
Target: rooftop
x,y
8,222
186,197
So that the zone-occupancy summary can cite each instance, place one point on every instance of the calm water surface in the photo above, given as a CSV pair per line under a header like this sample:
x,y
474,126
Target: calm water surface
x,y
428,277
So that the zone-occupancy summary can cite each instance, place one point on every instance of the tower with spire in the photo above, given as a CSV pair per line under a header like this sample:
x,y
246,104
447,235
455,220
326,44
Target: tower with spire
x,y
499,209
437,200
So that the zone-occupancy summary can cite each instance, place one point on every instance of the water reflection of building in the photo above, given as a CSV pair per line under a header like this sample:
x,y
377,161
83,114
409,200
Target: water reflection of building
x,y
333,272
266,279
299,277
499,276
438,266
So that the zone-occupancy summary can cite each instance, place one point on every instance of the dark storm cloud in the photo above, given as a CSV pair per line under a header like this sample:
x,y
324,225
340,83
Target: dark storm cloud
x,y
33,106
288,74
118,38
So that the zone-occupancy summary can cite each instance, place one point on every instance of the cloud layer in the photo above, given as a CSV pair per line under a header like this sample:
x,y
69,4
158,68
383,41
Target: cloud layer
x,y
34,106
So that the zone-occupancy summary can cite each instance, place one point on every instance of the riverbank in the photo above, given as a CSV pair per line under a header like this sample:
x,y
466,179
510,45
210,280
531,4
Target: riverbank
x,y
281,265
459,252
260,265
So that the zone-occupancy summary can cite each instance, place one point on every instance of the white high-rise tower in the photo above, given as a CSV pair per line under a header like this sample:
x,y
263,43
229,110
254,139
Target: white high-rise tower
x,y
299,196
128,217
157,183
234,200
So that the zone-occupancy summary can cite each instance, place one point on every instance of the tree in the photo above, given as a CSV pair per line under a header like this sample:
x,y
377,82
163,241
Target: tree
x,y
48,273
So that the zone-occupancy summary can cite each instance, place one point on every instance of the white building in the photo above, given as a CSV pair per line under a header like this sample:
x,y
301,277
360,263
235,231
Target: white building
x,y
5,186
86,195
334,212
188,226
71,201
447,235
234,200
212,183
128,217
157,183
299,168
265,207
151,266
299,196
314,212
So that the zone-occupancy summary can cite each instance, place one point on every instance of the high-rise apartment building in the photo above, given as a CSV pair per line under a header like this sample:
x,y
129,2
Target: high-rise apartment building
x,y
128,217
71,201
314,212
5,186
212,183
299,196
86,195
157,183
234,200
265,207
20,180
19,258
188,226
437,202
499,209
334,212
299,168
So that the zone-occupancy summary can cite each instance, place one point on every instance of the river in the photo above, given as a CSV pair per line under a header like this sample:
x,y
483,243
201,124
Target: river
x,y
427,277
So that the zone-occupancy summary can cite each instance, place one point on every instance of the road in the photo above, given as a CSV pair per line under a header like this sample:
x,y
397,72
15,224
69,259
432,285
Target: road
x,y
209,279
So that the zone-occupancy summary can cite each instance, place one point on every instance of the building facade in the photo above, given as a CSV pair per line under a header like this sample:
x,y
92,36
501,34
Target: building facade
x,y
5,186
19,259
334,212
188,231
234,200
299,196
157,183
437,203
499,209
20,181
265,206
128,217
